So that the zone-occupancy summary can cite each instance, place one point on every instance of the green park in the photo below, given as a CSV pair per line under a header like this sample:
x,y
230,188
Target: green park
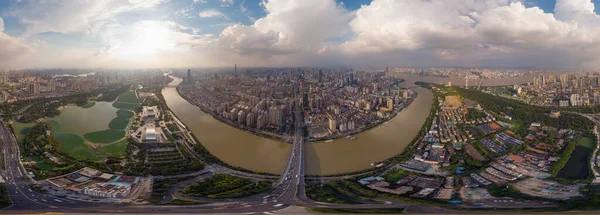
x,y
93,132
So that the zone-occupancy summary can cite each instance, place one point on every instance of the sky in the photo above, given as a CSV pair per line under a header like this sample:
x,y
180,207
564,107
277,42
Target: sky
x,y
290,33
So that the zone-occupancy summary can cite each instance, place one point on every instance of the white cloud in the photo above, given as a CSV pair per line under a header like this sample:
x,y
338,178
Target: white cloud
x,y
242,8
289,26
506,33
212,13
580,11
72,16
226,3
474,33
200,1
12,48
185,12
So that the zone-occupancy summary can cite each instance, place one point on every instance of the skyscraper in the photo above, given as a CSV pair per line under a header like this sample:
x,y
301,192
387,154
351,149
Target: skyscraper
x,y
33,88
387,72
320,75
305,101
235,68
51,85
189,75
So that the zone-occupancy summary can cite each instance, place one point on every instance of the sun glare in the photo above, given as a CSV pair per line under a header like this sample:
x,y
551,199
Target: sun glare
x,y
146,40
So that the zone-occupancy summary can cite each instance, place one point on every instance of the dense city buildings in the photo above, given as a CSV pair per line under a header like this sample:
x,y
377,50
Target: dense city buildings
x,y
335,102
470,145
465,73
555,89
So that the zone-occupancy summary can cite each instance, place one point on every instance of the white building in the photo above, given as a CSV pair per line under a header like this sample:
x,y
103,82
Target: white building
x,y
107,190
576,100
150,112
150,134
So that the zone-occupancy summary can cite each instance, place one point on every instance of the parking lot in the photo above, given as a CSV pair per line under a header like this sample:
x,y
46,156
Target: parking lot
x,y
548,189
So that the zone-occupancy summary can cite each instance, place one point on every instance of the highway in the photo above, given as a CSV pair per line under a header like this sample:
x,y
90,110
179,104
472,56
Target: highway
x,y
288,190
290,186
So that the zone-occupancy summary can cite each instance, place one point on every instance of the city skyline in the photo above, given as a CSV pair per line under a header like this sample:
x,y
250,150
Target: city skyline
x,y
274,33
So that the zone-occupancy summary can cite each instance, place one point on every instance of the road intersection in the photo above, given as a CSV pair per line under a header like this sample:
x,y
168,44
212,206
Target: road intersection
x,y
289,189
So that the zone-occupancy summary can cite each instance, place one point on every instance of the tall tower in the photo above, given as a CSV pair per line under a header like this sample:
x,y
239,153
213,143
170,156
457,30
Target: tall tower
x,y
235,68
387,71
466,82
320,75
189,75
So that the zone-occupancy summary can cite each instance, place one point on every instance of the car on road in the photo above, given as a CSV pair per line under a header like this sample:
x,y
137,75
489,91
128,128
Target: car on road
x,y
58,200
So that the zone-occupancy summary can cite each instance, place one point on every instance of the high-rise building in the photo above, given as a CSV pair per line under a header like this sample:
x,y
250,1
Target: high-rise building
x,y
576,100
332,124
320,75
4,96
250,119
52,85
189,76
543,79
305,104
33,88
275,116
241,117
387,71
260,122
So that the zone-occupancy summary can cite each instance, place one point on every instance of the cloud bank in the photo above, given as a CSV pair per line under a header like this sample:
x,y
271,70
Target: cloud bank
x,y
407,33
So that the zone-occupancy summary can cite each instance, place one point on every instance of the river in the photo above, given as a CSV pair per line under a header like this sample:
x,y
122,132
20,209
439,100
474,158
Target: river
x,y
243,149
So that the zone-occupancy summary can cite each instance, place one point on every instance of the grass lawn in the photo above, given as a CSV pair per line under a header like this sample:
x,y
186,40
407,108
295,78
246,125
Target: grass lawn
x,y
75,145
41,163
127,106
128,96
88,105
115,149
121,121
105,136
4,198
124,114
21,129
585,142
395,175
225,186
118,123
325,193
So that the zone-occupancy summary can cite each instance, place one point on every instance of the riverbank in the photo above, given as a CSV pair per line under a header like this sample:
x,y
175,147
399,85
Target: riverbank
x,y
259,154
394,115
237,126
289,139
198,147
